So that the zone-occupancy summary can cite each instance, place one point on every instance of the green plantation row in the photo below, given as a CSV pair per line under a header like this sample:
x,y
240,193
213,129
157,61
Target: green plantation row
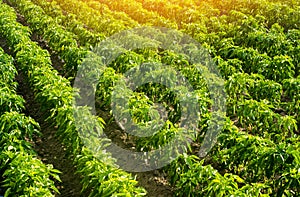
x,y
233,190
19,162
255,45
56,94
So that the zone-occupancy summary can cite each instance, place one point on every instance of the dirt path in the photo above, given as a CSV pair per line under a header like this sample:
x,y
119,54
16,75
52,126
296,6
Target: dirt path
x,y
155,181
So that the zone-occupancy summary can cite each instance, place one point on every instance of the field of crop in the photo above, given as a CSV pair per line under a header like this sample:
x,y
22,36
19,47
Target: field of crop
x,y
49,52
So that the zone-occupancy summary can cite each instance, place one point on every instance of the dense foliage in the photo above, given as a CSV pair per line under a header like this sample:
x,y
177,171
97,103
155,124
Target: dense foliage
x,y
254,44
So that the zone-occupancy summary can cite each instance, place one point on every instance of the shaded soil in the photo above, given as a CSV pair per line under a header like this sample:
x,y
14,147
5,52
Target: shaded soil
x,y
155,181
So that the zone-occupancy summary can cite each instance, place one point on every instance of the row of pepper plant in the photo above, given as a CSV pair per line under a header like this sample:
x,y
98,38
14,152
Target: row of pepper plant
x,y
100,20
250,90
56,95
84,37
62,42
141,110
136,11
22,172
